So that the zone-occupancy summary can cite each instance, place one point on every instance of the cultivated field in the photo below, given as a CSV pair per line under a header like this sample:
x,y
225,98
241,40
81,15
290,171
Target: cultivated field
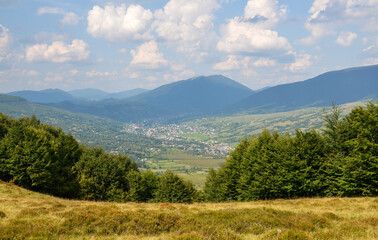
x,y
28,215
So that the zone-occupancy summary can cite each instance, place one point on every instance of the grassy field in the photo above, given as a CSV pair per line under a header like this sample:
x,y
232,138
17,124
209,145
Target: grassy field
x,y
233,129
28,215
190,167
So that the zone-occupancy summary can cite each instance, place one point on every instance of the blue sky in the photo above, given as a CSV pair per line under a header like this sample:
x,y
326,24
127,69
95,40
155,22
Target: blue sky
x,y
121,45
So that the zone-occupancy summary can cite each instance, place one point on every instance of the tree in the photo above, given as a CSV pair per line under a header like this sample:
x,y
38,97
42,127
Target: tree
x,y
172,188
103,176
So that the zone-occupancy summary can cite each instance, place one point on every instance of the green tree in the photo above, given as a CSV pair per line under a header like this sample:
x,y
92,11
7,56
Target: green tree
x,y
172,188
103,176
39,157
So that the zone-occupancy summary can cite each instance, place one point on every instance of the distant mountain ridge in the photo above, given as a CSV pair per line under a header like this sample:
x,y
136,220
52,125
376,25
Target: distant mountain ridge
x,y
191,97
44,96
88,94
95,94
218,95
339,87
196,95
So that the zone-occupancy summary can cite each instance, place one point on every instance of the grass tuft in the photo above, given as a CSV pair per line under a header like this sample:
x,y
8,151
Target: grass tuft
x,y
31,215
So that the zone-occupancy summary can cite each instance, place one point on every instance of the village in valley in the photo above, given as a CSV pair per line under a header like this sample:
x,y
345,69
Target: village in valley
x,y
186,136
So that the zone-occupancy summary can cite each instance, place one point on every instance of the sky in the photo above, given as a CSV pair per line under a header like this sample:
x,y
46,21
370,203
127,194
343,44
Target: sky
x,y
121,45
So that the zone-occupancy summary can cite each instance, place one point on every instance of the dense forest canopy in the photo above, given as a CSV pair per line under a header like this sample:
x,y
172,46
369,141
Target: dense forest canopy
x,y
339,160
43,158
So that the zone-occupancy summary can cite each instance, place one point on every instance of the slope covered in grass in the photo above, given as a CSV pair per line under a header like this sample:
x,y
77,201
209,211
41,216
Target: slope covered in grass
x,y
26,215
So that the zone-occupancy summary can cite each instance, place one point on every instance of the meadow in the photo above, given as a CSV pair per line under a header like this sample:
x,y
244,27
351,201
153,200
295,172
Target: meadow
x,y
29,215
232,129
190,167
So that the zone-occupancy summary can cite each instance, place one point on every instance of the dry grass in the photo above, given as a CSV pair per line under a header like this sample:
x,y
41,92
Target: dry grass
x,y
29,215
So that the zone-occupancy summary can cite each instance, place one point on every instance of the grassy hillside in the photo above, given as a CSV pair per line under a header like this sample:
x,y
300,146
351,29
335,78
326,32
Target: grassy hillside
x,y
89,129
28,215
232,129
343,86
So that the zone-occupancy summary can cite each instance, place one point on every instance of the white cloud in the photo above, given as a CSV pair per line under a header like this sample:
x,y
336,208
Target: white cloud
x,y
69,18
54,77
46,37
264,62
251,34
264,12
327,15
372,50
148,56
302,62
186,23
58,52
50,10
346,38
5,42
119,24
95,73
247,38
232,63
32,73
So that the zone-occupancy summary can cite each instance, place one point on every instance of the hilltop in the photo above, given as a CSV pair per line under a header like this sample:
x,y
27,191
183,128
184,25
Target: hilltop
x,y
26,214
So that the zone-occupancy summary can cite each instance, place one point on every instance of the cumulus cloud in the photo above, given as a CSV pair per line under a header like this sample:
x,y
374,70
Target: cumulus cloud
x,y
58,52
148,56
95,73
264,12
246,38
69,18
326,16
232,63
346,38
119,24
5,42
251,34
302,62
185,20
264,62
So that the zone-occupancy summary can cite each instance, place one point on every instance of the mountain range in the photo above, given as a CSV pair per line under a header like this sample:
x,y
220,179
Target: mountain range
x,y
213,95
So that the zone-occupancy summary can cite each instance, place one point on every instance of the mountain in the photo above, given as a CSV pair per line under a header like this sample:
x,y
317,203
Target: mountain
x,y
127,93
117,109
339,87
88,129
89,93
44,96
95,94
186,98
199,95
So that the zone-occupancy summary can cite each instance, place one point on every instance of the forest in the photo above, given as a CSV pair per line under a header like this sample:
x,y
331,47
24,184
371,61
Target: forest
x,y
339,159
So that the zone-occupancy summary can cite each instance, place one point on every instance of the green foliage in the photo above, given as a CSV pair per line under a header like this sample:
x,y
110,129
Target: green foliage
x,y
142,186
341,161
172,188
103,176
38,156
42,158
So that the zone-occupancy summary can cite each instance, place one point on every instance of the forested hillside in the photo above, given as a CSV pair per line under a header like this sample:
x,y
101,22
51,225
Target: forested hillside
x,y
341,160
43,158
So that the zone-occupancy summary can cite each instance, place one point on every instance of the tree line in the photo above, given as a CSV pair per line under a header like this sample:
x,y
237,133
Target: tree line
x,y
338,160
43,158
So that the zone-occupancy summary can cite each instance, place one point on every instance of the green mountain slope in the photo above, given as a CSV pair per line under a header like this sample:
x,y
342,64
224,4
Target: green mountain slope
x,y
344,86
44,96
89,129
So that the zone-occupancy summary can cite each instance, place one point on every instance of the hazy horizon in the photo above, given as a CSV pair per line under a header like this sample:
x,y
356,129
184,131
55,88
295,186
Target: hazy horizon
x,y
122,45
